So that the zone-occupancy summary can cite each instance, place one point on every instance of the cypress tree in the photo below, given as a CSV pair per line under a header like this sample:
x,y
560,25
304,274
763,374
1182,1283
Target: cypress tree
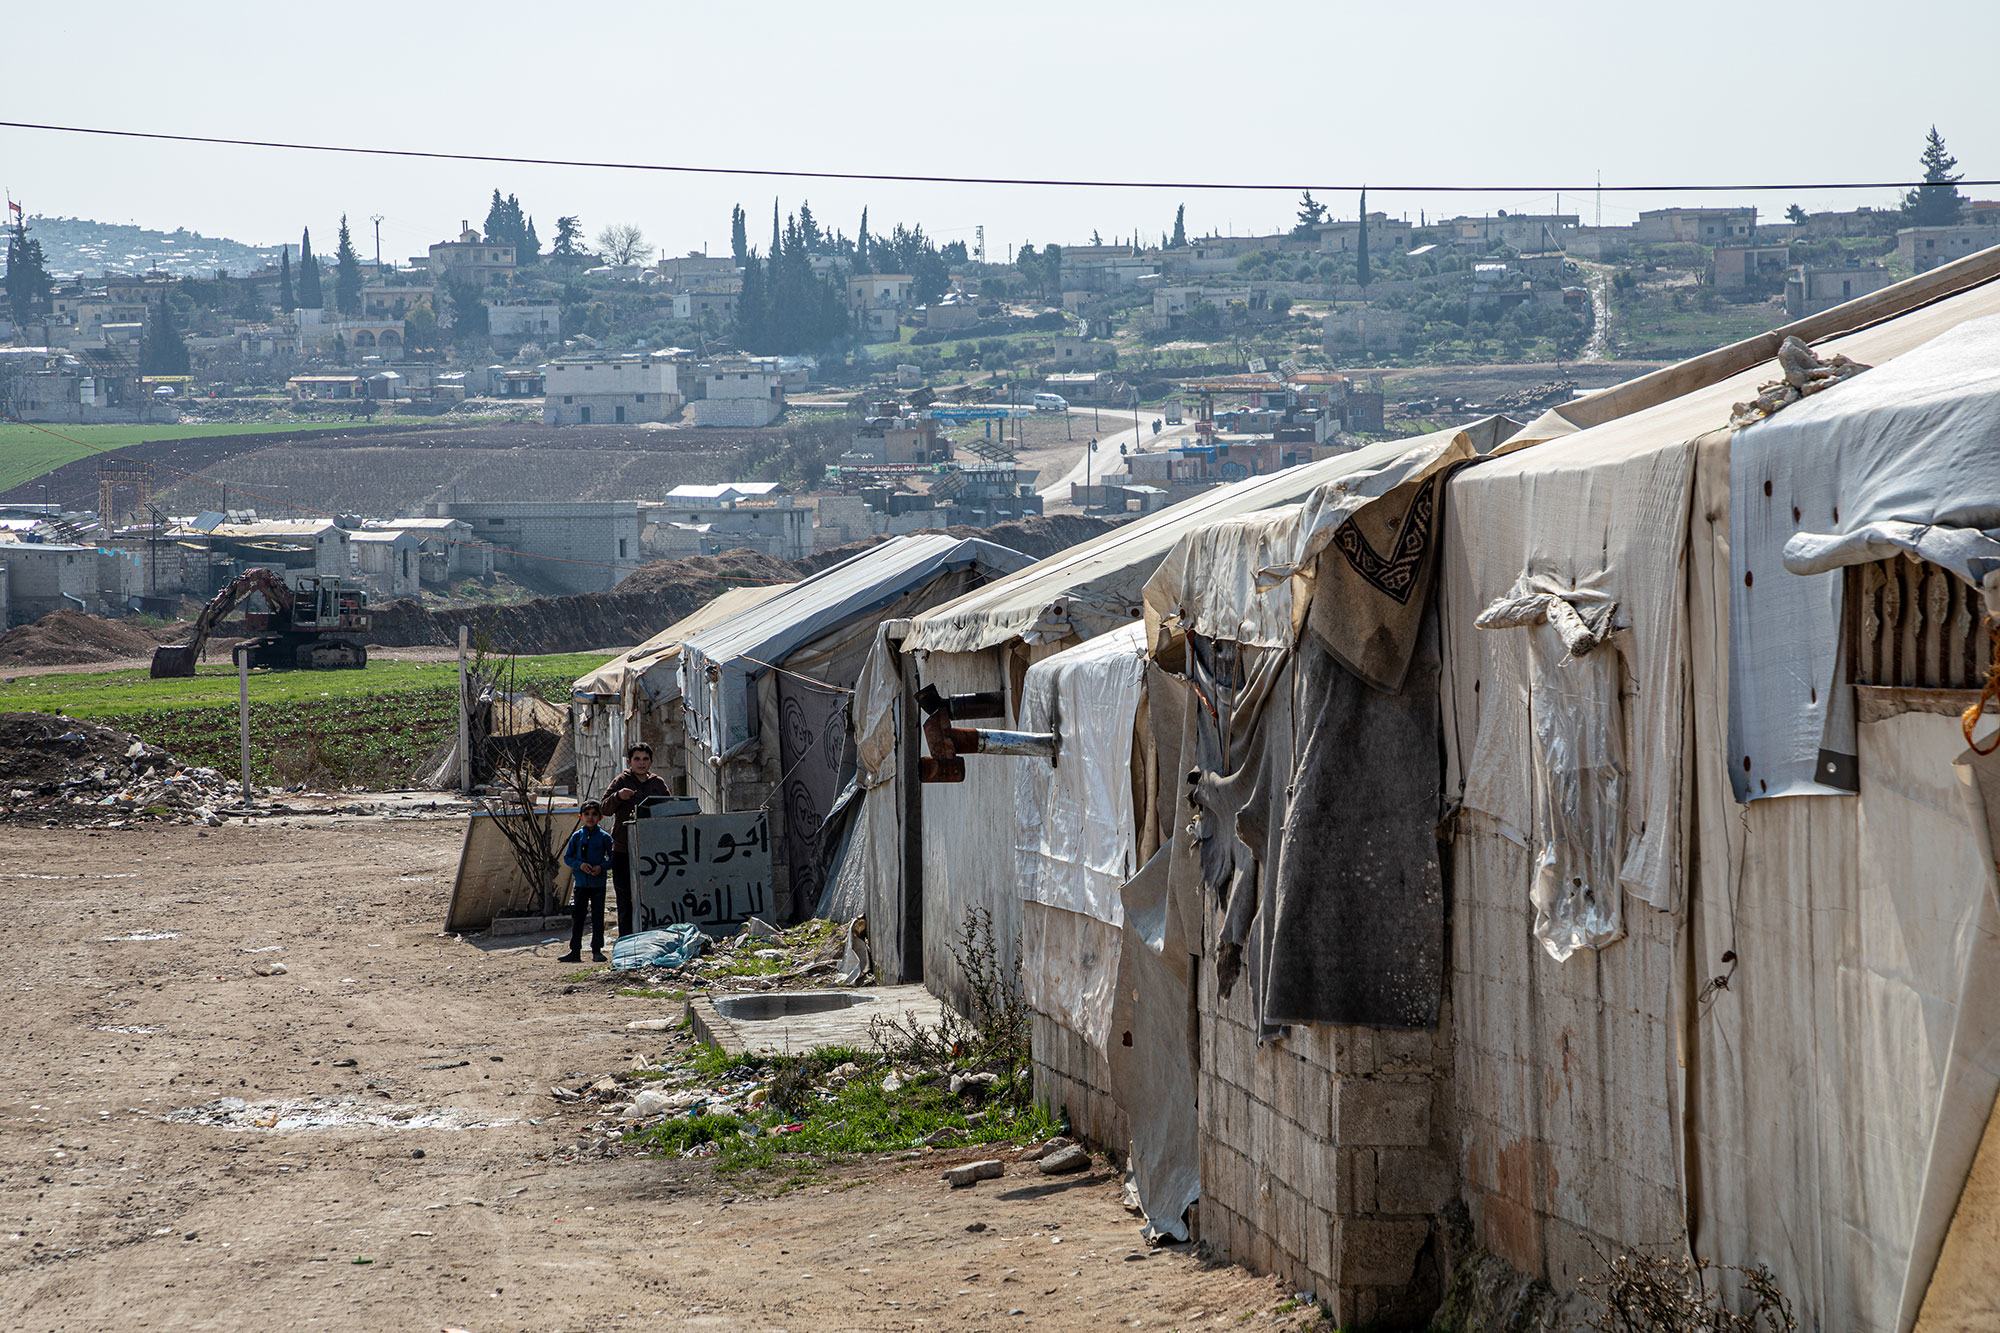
x,y
346,274
529,251
1361,244
286,300
1180,228
164,352
739,239
310,296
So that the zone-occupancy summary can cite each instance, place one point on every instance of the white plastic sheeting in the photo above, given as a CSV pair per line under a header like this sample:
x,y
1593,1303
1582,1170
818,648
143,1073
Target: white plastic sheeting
x,y
1579,766
1074,820
1899,458
1075,826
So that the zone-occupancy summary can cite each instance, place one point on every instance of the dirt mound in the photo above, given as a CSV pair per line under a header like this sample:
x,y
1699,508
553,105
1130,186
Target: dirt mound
x,y
62,638
728,570
58,770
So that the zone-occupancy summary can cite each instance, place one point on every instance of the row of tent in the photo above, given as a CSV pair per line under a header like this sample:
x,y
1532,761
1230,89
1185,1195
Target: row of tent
x,y
1553,739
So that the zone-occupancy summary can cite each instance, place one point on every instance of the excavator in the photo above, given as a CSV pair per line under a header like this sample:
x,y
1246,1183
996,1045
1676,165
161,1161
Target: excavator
x,y
313,624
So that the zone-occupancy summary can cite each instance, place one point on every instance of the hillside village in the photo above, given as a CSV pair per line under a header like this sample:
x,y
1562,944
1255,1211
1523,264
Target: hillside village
x,y
1393,773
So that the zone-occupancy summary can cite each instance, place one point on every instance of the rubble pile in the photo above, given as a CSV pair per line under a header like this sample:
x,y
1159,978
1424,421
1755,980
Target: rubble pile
x,y
1538,398
71,638
61,771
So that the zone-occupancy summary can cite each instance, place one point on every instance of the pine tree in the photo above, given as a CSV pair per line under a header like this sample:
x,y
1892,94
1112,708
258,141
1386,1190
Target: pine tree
x,y
28,285
164,351
529,251
1311,214
1795,214
1179,238
1937,202
287,301
1096,236
809,231
569,230
346,274
1361,274
310,297
499,229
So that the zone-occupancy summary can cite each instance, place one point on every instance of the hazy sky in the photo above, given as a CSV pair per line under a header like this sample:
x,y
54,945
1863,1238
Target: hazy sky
x,y
1247,90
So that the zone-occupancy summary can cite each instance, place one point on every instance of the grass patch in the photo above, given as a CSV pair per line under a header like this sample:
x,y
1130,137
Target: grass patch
x,y
27,450
844,1121
345,728
749,967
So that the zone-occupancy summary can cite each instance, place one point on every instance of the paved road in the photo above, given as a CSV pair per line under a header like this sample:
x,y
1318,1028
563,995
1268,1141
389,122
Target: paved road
x,y
1107,457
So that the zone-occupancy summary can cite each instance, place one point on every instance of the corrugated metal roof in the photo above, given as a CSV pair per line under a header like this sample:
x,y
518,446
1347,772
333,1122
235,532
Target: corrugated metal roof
x,y
740,649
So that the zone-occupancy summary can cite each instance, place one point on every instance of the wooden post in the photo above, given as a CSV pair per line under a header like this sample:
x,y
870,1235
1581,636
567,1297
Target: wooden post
x,y
243,715
464,720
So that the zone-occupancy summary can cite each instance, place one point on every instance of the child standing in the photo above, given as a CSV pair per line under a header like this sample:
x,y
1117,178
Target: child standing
x,y
588,856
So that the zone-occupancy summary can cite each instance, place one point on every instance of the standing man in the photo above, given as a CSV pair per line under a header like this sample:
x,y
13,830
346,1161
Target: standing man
x,y
628,789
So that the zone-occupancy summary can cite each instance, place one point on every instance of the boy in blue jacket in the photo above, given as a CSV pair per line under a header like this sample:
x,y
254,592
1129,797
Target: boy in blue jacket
x,y
588,856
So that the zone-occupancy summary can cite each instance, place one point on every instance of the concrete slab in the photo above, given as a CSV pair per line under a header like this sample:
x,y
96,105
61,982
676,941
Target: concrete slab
x,y
793,1022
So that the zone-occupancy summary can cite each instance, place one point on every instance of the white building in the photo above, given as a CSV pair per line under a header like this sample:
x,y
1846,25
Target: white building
x,y
42,577
578,546
878,301
447,550
636,386
522,321
387,560
739,391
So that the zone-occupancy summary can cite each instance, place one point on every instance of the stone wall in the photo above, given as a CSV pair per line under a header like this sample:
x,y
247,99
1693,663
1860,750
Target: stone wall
x,y
1072,1078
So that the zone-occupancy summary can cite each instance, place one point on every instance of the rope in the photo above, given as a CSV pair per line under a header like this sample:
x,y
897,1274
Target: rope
x,y
1988,693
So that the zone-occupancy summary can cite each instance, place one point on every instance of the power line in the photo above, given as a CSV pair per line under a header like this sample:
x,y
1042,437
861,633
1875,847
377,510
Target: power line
x,y
938,179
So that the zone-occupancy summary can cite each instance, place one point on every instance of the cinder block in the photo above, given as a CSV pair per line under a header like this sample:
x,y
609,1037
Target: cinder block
x,y
1326,1168
1314,1099
1377,1113
1403,1051
1411,1180
1353,1051
1377,1252
1361,1173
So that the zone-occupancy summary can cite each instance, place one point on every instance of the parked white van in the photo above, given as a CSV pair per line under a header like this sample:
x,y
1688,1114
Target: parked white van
x,y
1051,402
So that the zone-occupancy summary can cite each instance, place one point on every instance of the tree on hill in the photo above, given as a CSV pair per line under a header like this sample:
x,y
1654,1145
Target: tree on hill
x,y
250,302
1179,238
622,243
529,251
1937,202
468,310
569,231
310,296
1361,274
864,256
1795,215
163,351
1311,214
288,301
28,286
739,236
346,273
506,224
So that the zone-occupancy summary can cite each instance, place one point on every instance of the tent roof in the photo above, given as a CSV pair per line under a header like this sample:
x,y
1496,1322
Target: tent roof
x,y
745,646
1097,585
657,657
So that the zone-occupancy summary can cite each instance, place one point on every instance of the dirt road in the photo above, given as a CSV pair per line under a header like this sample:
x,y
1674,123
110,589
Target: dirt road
x,y
365,1139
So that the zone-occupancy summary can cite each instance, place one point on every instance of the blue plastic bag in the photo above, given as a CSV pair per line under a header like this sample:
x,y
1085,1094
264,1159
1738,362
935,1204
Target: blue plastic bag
x,y
673,946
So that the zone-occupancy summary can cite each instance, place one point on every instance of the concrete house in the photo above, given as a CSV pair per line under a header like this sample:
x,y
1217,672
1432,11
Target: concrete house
x,y
877,301
1812,290
1736,268
469,257
576,546
609,389
388,560
1704,226
447,549
1924,248
517,322
42,577
739,391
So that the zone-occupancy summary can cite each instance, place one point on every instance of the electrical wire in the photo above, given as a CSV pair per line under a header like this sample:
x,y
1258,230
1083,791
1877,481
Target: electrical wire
x,y
928,178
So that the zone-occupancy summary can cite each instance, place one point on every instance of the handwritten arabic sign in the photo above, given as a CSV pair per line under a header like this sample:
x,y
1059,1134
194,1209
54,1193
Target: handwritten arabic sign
x,y
713,871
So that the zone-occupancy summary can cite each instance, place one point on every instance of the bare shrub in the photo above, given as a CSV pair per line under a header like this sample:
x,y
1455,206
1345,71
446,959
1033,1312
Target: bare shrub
x,y
1639,1293
994,1033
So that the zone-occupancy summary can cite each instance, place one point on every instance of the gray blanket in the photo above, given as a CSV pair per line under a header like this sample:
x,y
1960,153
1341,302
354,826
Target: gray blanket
x,y
1358,892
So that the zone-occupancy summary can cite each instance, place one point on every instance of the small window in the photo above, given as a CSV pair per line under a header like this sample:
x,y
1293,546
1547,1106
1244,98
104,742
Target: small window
x,y
638,397
496,522
567,400
621,548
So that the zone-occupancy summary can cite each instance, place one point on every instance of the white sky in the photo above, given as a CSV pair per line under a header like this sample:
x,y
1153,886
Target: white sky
x,y
1446,91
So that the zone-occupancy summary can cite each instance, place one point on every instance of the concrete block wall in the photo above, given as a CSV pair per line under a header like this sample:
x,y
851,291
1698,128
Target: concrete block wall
x,y
1562,1075
1325,1155
1072,1077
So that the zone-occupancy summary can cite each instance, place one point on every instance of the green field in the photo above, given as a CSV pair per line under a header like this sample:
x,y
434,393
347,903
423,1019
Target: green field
x,y
327,728
27,451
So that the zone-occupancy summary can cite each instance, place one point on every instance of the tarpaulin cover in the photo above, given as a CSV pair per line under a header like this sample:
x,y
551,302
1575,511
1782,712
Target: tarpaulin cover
x,y
647,671
719,664
1152,1058
1075,825
1098,585
1901,458
670,946
1602,517
1249,580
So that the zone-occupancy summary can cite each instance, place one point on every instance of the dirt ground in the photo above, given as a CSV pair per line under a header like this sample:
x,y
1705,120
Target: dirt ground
x,y
445,1189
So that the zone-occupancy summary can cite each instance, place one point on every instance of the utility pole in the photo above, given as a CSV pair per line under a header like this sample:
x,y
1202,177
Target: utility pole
x,y
376,218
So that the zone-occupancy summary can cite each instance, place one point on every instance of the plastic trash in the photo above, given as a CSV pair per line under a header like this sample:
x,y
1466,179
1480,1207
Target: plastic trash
x,y
672,946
